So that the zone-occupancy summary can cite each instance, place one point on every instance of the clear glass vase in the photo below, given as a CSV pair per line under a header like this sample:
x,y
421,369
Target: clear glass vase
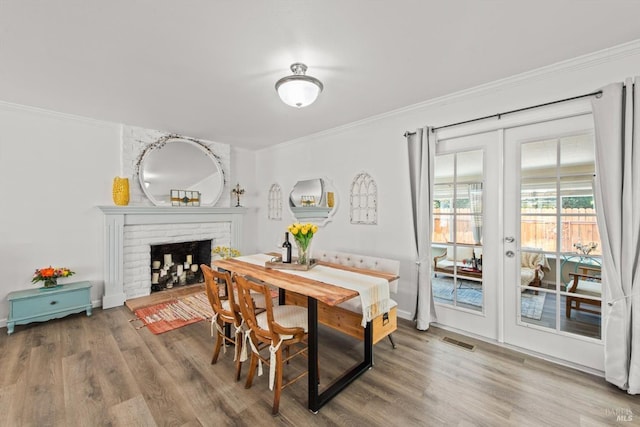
x,y
51,282
304,254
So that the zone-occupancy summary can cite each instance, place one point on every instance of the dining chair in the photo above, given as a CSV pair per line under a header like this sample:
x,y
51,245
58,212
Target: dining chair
x,y
226,313
283,328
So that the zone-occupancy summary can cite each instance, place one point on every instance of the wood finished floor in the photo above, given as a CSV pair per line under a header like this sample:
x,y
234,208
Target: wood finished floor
x,y
100,370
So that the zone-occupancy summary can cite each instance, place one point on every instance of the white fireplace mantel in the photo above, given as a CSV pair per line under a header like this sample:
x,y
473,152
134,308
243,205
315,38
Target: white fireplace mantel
x,y
117,217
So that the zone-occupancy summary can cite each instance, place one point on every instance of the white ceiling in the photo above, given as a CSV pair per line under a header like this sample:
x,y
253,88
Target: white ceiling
x,y
207,68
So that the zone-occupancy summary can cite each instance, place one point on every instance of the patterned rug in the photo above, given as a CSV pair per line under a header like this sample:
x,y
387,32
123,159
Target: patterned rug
x,y
470,293
174,314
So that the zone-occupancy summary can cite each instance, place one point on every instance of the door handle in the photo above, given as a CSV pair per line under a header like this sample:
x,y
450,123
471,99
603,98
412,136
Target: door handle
x,y
509,239
510,254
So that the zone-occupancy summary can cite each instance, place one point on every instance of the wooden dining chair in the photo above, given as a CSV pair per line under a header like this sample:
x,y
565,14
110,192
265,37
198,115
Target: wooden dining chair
x,y
282,328
226,314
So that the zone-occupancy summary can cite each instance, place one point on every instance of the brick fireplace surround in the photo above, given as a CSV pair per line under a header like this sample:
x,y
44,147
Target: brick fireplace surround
x,y
130,231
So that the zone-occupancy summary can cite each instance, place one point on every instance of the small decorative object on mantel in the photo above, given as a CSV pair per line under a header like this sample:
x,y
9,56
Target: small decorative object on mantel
x,y
225,252
120,191
185,198
237,191
303,234
50,275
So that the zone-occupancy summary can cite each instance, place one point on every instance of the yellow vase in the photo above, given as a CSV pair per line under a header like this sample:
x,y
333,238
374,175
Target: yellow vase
x,y
121,191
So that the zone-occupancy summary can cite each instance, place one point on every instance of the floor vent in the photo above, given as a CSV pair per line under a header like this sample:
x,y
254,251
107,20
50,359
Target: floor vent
x,y
461,344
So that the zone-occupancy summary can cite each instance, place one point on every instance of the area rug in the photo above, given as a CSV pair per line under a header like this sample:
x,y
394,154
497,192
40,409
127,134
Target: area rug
x,y
532,305
470,293
171,315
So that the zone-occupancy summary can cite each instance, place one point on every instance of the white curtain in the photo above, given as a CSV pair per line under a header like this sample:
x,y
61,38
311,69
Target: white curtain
x,y
422,146
617,119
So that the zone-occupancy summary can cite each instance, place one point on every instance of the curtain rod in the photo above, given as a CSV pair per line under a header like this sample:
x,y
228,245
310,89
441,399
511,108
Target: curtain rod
x,y
597,94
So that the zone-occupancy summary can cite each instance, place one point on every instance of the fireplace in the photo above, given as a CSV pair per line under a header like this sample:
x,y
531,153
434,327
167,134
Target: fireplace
x,y
130,231
178,264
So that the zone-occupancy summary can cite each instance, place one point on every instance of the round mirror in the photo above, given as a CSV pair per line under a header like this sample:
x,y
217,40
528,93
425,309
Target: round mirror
x,y
313,200
183,165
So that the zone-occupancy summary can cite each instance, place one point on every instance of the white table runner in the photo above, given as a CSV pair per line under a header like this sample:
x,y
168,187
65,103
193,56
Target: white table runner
x,y
374,291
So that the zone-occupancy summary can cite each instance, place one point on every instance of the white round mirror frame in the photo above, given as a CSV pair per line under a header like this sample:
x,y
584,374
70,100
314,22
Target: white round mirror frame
x,y
171,139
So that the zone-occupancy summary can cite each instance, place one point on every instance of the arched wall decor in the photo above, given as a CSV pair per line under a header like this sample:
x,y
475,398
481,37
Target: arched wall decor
x,y
364,200
275,202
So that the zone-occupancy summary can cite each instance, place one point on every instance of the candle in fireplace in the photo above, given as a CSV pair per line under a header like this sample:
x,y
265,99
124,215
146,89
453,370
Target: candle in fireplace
x,y
194,267
179,270
190,259
167,259
154,278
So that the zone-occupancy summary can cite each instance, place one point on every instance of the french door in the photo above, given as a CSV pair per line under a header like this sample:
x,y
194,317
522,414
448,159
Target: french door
x,y
464,240
550,236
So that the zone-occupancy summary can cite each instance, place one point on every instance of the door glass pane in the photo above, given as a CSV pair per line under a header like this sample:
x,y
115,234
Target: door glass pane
x,y
539,158
442,228
457,230
538,195
538,308
537,231
580,233
577,154
443,198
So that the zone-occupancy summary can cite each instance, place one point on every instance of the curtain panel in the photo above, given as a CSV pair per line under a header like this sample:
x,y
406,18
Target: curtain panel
x,y
421,146
617,118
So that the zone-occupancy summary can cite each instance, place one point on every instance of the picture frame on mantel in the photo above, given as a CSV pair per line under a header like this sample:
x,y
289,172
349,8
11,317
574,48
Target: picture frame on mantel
x,y
185,198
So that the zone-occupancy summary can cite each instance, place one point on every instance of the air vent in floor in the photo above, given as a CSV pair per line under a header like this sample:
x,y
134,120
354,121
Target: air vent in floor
x,y
460,344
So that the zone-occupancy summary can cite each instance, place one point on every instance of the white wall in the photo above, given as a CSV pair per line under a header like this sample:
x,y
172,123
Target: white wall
x,y
54,171
243,172
378,147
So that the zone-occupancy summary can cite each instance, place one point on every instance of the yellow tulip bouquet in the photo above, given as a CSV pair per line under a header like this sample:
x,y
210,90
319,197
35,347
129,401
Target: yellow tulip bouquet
x,y
225,252
303,233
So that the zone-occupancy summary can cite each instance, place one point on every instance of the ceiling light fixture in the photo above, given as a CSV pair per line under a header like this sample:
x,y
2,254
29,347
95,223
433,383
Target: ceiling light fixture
x,y
298,90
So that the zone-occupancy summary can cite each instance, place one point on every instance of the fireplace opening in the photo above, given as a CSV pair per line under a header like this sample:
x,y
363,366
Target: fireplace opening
x,y
178,264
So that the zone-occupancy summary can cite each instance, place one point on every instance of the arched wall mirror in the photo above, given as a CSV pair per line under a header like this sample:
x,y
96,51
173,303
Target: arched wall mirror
x,y
180,164
313,200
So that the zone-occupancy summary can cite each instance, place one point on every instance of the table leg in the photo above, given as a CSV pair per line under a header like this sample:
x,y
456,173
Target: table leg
x,y
318,400
312,321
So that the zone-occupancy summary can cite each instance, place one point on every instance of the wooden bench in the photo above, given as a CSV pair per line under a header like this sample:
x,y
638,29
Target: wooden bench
x,y
347,316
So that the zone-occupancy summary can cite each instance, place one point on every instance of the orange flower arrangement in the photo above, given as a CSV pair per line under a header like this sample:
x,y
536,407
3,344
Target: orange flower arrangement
x,y
49,275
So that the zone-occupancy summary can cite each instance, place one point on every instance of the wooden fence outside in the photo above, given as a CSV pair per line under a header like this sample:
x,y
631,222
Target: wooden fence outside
x,y
537,230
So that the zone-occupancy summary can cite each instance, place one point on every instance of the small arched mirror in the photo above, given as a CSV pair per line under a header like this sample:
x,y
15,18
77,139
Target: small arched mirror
x,y
180,164
313,200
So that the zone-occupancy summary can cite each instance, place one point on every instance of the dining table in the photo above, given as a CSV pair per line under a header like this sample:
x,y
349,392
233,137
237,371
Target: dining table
x,y
318,287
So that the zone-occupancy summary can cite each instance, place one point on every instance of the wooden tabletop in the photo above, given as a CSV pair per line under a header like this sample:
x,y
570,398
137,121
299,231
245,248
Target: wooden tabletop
x,y
321,291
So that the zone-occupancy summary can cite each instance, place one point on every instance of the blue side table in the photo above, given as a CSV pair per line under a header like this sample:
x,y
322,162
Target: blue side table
x,y
40,305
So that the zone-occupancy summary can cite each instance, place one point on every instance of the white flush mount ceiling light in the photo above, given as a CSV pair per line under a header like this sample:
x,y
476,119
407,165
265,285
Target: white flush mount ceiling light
x,y
298,90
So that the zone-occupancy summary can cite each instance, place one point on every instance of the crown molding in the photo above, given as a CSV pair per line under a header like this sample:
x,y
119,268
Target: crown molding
x,y
581,62
43,111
